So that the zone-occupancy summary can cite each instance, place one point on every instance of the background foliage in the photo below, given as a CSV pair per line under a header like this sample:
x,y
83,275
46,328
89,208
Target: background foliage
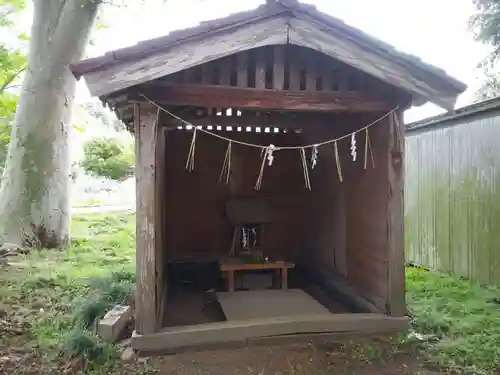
x,y
485,24
108,157
12,64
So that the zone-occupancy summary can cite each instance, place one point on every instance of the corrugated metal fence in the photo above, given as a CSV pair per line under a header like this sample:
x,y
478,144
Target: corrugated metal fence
x,y
452,197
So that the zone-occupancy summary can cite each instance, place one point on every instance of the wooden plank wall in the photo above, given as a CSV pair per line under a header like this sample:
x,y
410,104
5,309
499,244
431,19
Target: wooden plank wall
x,y
346,233
367,209
323,247
196,226
452,196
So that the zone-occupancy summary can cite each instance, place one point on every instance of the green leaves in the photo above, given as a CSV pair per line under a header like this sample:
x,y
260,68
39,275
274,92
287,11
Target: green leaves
x,y
107,157
12,64
485,24
8,9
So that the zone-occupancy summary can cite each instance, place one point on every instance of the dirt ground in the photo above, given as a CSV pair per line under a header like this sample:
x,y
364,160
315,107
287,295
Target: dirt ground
x,y
351,356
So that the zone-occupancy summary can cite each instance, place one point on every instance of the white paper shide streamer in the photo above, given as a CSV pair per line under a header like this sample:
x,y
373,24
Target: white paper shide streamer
x,y
314,156
267,155
353,146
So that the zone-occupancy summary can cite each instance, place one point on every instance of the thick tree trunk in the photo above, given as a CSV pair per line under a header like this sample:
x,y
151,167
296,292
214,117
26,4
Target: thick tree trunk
x,y
34,191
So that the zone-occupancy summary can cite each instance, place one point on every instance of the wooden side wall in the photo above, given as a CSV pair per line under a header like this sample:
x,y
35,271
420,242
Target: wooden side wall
x,y
351,229
367,202
323,247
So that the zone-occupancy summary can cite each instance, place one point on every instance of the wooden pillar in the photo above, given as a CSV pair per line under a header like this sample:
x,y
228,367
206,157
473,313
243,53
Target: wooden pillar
x,y
146,294
160,223
396,303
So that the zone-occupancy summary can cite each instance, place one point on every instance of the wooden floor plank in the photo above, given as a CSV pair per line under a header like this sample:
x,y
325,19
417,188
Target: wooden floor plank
x,y
254,304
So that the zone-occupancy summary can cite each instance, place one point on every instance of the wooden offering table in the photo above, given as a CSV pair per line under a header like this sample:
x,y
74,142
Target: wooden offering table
x,y
232,265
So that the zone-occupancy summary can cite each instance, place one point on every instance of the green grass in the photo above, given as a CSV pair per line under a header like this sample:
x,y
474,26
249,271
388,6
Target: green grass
x,y
465,317
56,297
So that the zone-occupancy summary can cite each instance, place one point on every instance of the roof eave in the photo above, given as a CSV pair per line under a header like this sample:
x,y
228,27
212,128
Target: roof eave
x,y
167,41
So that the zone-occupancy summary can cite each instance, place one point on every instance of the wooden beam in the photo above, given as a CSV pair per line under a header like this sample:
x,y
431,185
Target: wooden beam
x,y
174,339
311,74
294,74
160,220
207,73
342,122
396,294
146,298
260,69
327,79
242,69
282,122
225,71
235,97
337,285
279,67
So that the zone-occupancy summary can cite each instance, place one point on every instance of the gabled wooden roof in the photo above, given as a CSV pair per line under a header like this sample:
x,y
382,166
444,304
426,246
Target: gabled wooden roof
x,y
276,22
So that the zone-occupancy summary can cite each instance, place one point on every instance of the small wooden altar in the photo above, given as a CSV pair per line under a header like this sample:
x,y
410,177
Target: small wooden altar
x,y
232,265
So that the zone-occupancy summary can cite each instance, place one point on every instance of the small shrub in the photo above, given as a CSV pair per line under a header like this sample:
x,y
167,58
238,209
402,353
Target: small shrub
x,y
88,310
109,158
82,343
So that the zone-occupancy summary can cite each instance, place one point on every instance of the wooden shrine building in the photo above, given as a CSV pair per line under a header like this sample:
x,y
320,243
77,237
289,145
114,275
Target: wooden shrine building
x,y
268,143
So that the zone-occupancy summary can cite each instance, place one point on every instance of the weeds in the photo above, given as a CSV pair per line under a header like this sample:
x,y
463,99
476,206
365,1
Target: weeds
x,y
59,296
463,316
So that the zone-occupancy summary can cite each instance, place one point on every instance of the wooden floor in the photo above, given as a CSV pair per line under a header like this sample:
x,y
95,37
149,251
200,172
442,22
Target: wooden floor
x,y
270,303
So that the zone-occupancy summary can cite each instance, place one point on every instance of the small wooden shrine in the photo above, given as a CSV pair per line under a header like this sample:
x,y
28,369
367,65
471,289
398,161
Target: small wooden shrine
x,y
269,147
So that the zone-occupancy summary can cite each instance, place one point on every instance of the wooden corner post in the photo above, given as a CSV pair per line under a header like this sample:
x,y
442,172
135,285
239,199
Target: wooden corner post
x,y
396,302
145,117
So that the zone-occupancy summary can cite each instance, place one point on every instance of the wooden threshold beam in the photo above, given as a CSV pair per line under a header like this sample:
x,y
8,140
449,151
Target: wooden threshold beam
x,y
237,97
246,332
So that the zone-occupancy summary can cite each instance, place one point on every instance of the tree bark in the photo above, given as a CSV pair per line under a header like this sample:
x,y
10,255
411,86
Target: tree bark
x,y
34,191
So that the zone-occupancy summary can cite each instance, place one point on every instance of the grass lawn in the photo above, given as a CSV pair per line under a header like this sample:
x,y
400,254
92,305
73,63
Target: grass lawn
x,y
49,302
464,317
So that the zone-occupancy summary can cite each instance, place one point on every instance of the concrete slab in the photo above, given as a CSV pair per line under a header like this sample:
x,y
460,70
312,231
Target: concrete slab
x,y
111,326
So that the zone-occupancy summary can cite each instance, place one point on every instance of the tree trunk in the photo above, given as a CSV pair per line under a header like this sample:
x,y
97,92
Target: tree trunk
x,y
34,191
